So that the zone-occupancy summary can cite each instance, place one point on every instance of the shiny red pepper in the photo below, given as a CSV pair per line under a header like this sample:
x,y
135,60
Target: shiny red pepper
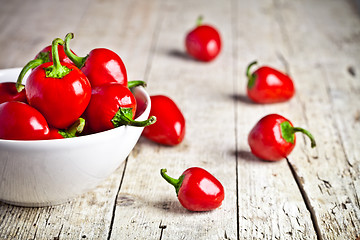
x,y
112,105
273,137
169,128
197,189
8,92
60,91
43,56
268,85
19,121
203,42
100,66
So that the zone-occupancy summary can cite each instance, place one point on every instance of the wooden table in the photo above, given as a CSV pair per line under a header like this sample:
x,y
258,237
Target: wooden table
x,y
312,195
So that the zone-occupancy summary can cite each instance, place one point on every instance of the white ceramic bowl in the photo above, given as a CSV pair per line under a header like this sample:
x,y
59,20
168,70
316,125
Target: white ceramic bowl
x,y
48,172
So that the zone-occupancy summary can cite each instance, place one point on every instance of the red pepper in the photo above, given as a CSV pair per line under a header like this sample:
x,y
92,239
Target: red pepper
x,y
268,85
70,132
169,128
100,66
9,93
197,189
203,42
112,105
61,92
43,56
273,138
19,121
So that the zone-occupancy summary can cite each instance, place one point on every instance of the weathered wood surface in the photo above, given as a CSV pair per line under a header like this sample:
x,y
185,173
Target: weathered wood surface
x,y
312,195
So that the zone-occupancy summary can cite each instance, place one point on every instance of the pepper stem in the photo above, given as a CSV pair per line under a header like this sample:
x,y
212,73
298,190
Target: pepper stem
x,y
251,77
136,83
175,182
30,65
56,70
288,133
76,128
78,61
124,116
199,21
307,133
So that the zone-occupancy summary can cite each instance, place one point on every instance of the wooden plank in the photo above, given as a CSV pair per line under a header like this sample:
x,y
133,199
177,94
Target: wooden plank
x,y
147,205
315,195
89,216
29,26
270,204
328,94
126,27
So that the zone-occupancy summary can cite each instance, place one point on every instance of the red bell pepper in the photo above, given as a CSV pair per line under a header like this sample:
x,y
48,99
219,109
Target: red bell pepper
x,y
100,66
19,121
8,92
203,42
43,56
112,105
61,92
273,137
169,128
268,85
197,189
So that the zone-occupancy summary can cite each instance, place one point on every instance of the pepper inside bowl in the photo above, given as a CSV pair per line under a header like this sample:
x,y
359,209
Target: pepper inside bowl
x,y
49,172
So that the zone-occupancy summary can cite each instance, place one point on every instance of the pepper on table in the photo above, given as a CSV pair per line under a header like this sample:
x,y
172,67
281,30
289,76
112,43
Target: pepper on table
x,y
203,42
169,128
268,85
273,137
196,189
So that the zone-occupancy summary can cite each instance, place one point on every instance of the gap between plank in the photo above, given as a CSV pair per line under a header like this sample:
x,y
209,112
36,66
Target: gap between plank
x,y
306,200
116,198
235,72
154,41
162,227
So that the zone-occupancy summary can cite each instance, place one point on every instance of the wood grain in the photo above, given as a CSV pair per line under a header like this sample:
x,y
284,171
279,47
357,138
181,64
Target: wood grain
x,y
314,194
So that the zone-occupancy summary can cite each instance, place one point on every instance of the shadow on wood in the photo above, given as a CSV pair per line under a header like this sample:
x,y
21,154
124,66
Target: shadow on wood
x,y
180,54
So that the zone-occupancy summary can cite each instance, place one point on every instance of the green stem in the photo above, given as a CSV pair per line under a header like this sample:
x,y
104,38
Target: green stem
x,y
78,61
30,65
74,129
251,77
199,21
307,133
56,70
124,116
175,182
288,133
136,83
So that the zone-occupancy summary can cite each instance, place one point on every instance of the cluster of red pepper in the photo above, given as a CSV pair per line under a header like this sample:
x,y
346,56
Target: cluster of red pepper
x,y
271,139
66,95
